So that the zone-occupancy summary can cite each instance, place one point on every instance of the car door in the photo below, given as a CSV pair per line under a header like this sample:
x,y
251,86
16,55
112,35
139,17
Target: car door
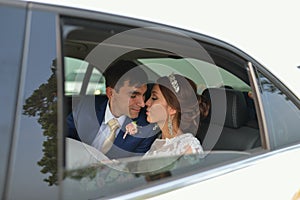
x,y
98,41
233,140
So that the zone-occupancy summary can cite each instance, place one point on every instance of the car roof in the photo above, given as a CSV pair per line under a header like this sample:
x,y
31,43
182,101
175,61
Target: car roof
x,y
266,30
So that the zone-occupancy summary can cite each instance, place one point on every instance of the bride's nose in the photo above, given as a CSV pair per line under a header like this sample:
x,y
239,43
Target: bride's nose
x,y
148,103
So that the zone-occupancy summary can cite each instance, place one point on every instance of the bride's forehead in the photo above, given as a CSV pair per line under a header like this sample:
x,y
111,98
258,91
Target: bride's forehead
x,y
156,91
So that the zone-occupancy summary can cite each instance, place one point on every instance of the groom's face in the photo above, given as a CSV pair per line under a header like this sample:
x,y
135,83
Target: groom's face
x,y
128,100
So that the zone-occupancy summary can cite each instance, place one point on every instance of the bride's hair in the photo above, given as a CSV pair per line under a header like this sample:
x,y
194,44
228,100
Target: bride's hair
x,y
181,94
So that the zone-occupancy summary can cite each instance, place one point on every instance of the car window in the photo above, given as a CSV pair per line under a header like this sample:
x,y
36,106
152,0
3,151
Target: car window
x,y
192,68
10,55
35,160
221,77
75,72
282,115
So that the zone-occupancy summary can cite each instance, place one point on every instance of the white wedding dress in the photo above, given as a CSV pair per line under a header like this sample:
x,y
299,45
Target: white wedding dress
x,y
175,146
168,154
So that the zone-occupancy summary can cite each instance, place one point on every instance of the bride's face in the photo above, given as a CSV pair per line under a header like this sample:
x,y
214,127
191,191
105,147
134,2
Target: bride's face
x,y
157,107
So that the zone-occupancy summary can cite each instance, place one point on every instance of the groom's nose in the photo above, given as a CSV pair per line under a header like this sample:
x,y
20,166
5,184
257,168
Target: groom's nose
x,y
141,101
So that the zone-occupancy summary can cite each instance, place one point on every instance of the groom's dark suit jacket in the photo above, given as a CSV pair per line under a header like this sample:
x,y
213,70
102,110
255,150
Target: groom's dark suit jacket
x,y
85,120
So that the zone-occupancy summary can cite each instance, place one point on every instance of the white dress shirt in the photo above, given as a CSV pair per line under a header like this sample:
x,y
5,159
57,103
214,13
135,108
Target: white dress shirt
x,y
104,130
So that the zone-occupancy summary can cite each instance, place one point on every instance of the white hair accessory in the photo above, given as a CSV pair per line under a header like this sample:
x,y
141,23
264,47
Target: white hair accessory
x,y
174,82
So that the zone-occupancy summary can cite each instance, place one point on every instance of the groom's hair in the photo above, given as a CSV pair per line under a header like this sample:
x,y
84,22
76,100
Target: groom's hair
x,y
124,70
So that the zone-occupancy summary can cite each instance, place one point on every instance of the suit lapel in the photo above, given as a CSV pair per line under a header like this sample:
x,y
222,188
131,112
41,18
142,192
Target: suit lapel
x,y
100,107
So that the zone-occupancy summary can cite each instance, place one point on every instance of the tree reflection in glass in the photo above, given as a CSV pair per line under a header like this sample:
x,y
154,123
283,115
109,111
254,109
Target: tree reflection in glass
x,y
43,104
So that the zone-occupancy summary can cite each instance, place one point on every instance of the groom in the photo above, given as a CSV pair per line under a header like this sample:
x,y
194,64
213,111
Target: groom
x,y
126,85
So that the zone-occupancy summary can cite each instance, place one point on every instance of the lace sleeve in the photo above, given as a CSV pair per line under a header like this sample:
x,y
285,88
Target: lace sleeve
x,y
175,146
190,142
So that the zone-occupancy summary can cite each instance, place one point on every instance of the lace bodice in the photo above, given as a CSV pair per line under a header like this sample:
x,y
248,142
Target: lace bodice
x,y
175,146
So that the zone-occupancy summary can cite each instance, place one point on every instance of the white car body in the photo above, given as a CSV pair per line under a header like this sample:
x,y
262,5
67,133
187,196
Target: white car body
x,y
268,31
274,177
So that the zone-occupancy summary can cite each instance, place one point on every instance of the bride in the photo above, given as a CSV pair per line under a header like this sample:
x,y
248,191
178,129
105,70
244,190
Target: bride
x,y
176,108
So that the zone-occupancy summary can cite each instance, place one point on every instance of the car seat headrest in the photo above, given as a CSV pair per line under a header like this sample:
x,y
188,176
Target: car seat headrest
x,y
235,106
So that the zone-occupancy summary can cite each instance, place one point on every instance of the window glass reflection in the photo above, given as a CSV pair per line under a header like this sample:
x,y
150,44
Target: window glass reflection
x,y
36,153
281,114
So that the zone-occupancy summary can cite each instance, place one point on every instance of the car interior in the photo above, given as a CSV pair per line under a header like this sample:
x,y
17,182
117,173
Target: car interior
x,y
238,129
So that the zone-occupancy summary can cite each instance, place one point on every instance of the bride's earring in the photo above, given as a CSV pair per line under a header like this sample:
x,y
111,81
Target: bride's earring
x,y
155,127
170,125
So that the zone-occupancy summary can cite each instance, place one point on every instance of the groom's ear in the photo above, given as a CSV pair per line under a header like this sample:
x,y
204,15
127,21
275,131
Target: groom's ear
x,y
109,92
